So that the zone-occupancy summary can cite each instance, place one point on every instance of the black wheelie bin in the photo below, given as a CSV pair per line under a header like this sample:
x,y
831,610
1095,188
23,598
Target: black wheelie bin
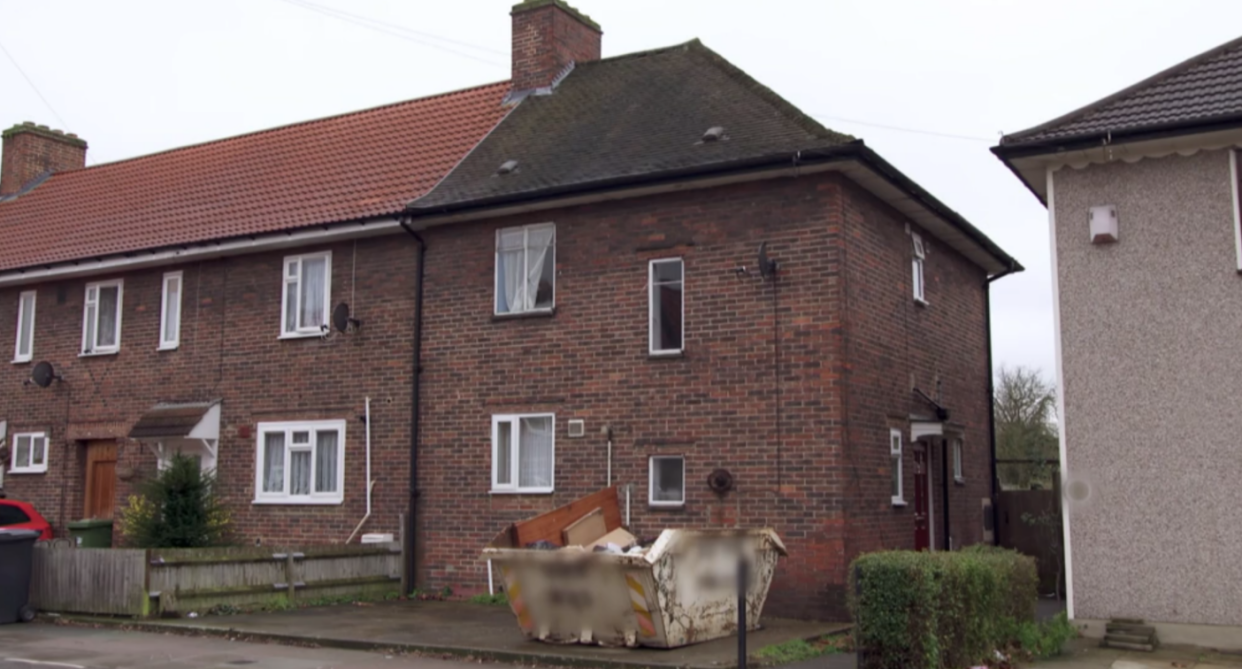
x,y
16,556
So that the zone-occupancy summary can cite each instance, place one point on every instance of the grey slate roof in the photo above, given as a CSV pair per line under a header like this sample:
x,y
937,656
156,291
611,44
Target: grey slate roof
x,y
627,116
1204,89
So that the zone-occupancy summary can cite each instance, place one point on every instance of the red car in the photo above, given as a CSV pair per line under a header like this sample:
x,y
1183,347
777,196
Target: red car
x,y
22,516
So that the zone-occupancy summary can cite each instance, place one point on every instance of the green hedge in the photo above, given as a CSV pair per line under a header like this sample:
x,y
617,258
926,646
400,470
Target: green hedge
x,y
937,610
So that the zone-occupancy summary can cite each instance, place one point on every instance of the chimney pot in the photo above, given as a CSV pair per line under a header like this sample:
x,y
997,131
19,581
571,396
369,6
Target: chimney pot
x,y
549,36
32,151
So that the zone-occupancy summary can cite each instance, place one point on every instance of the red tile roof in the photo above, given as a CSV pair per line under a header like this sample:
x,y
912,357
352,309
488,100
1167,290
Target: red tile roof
x,y
357,165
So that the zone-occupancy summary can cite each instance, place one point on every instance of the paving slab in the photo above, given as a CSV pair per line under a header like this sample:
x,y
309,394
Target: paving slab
x,y
475,630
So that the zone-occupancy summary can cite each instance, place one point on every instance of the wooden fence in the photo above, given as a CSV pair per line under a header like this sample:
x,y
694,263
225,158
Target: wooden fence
x,y
1030,523
135,582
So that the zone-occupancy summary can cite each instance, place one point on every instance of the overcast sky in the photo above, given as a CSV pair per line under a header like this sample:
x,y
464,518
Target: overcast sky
x,y
138,76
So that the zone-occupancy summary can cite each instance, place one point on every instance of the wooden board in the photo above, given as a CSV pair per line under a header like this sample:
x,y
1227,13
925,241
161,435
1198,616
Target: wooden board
x,y
618,536
585,530
548,526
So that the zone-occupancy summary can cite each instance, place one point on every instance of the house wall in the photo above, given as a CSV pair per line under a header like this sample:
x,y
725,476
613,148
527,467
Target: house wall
x,y
725,403
229,351
1152,366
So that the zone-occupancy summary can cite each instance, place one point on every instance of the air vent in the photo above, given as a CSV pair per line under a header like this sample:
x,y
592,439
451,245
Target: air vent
x,y
714,134
507,167
577,428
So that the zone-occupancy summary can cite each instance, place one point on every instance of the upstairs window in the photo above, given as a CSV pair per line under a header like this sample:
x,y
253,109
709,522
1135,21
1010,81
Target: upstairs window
x,y
300,463
29,453
666,280
920,253
667,483
170,312
523,453
894,451
101,328
307,289
526,269
957,461
24,347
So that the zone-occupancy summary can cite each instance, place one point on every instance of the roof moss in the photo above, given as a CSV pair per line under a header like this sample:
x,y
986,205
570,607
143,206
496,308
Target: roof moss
x,y
528,5
44,131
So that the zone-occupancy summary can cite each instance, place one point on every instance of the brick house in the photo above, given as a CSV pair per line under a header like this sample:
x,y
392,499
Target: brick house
x,y
584,297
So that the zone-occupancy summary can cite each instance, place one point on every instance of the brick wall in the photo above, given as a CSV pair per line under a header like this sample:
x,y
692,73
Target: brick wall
x,y
546,38
30,151
718,405
229,351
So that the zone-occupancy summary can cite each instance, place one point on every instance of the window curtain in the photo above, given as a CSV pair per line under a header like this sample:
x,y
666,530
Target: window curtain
x,y
535,453
538,244
22,452
300,472
314,283
325,461
504,449
172,310
107,316
274,462
27,313
512,259
38,450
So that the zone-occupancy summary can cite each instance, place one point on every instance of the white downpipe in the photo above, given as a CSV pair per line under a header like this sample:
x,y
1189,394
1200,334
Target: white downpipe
x,y
491,585
370,482
627,506
609,463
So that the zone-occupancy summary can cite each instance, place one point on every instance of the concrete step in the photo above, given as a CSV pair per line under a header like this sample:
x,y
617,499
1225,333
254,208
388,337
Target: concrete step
x,y
1130,638
1128,621
1122,645
1129,628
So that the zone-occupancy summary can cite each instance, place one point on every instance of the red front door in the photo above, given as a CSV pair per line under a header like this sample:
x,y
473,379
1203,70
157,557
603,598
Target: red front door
x,y
922,531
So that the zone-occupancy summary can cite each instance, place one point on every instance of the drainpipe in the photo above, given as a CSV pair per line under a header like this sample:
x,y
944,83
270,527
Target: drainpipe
x,y
370,481
987,332
411,562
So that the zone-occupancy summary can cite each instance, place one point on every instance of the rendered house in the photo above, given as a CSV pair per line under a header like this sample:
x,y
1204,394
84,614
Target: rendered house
x,y
646,271
1142,196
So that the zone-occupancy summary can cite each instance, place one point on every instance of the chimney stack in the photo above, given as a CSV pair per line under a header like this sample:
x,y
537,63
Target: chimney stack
x,y
548,35
30,151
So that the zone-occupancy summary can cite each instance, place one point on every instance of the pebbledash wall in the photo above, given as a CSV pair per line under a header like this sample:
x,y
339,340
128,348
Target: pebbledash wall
x,y
1152,367
773,379
228,351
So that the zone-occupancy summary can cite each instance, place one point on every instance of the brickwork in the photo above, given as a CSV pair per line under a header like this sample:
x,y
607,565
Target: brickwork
x,y
30,151
547,38
229,351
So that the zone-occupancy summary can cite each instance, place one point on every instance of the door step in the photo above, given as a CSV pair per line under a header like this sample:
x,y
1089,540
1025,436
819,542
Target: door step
x,y
1130,634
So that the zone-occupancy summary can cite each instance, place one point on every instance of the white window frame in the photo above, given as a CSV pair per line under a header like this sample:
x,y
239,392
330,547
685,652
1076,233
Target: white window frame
x,y
958,474
166,343
92,347
25,320
651,309
651,481
515,455
300,330
918,256
896,454
28,468
288,428
526,229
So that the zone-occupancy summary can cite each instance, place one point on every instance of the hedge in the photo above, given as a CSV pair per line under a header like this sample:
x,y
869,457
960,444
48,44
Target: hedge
x,y
939,610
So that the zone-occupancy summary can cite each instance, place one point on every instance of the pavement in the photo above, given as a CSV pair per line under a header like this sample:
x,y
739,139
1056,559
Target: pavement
x,y
44,646
467,630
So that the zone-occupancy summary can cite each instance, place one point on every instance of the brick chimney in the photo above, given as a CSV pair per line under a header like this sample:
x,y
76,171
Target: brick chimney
x,y
548,35
30,151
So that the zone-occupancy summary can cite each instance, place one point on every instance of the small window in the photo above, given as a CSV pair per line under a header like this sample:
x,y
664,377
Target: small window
x,y
523,453
307,289
957,461
170,312
920,253
101,328
526,269
667,481
300,463
29,453
894,450
24,347
666,281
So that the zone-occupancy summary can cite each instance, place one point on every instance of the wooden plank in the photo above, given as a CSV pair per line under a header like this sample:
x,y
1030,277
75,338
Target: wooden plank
x,y
585,530
548,526
89,580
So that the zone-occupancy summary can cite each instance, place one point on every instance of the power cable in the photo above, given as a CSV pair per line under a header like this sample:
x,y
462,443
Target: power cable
x,y
378,26
932,133
360,17
33,87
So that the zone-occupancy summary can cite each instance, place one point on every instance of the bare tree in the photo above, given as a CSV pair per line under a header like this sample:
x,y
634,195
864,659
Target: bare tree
x,y
1024,406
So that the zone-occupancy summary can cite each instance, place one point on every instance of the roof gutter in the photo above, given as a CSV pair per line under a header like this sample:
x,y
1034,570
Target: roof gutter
x,y
746,169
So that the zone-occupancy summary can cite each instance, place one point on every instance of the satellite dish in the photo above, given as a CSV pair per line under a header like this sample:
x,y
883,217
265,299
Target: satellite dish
x,y
767,266
43,374
341,319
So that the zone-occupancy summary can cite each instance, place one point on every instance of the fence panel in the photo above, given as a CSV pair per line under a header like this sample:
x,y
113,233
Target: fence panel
x,y
90,580
1030,523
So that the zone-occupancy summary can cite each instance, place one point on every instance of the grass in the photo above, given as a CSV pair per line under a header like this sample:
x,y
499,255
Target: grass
x,y
498,599
799,650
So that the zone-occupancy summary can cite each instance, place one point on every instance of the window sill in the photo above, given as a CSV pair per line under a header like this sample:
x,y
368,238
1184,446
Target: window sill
x,y
23,361
662,355
168,348
922,302
18,472
98,354
302,335
289,501
666,506
527,491
899,503
537,313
